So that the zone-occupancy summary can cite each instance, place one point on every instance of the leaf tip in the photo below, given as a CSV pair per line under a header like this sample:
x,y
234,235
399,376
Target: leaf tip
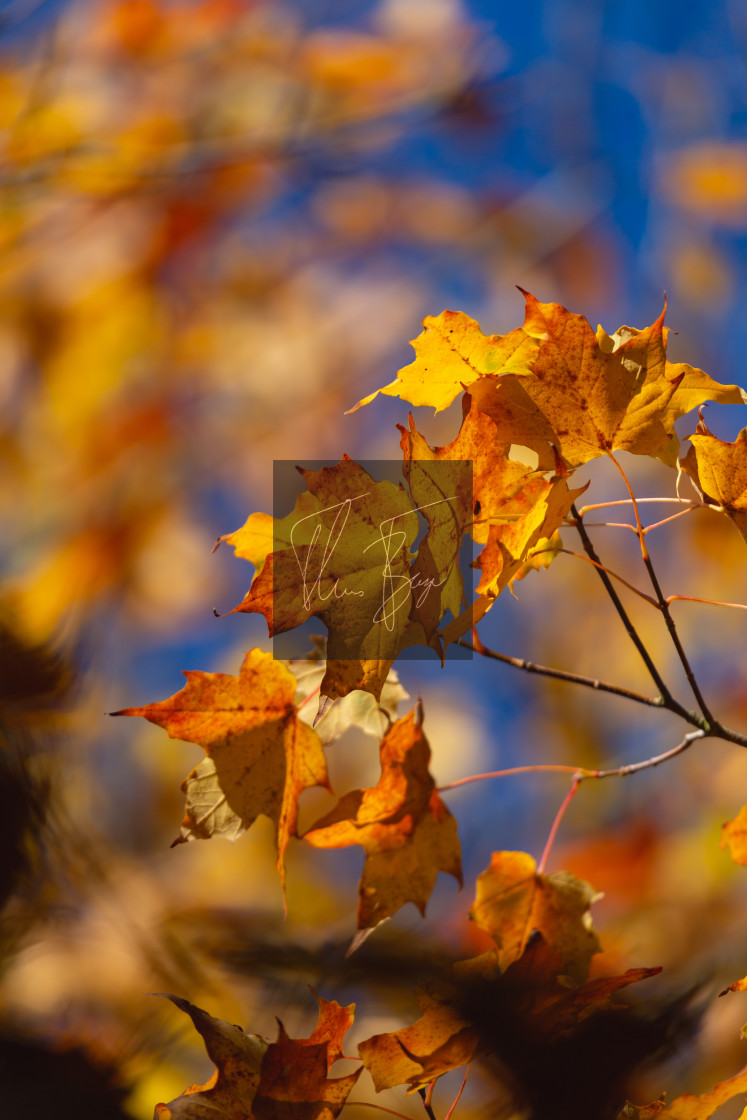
x,y
361,936
325,703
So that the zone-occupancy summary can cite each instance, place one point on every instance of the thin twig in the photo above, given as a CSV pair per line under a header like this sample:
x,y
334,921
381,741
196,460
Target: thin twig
x,y
673,517
562,675
556,823
633,634
306,699
711,602
598,564
627,502
636,514
456,1098
427,1104
647,763
582,773
612,525
719,731
540,767
633,529
662,603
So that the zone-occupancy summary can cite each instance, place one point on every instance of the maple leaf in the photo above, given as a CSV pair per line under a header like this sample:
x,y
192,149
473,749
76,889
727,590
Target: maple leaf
x,y
261,755
496,480
554,1009
543,1002
451,353
690,1106
601,393
231,1090
542,555
533,514
514,508
441,487
343,554
402,824
538,513
261,534
294,1083
513,900
439,1041
478,1009
734,837
260,1080
719,470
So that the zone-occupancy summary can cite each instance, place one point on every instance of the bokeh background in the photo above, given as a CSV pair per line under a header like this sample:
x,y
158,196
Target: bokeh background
x,y
220,223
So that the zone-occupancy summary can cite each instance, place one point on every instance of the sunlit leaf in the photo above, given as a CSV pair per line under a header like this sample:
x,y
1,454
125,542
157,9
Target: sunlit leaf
x,y
452,352
719,470
261,756
513,899
407,832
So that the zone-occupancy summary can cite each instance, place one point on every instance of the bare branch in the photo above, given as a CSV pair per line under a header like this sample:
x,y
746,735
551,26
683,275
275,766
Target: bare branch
x,y
562,675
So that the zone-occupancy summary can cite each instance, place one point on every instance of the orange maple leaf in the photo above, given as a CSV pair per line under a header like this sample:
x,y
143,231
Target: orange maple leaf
x,y
294,1082
261,756
480,1008
513,900
690,1106
514,507
439,1041
404,827
734,837
260,1080
496,480
719,470
602,393
538,513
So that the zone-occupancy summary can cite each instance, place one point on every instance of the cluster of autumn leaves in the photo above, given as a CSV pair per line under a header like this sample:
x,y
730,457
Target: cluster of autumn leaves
x,y
552,392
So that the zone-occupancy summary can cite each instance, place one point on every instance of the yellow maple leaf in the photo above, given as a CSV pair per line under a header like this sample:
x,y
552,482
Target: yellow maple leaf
x,y
452,352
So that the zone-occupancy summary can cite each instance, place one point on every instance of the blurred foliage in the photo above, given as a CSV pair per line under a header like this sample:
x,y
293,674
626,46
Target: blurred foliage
x,y
219,221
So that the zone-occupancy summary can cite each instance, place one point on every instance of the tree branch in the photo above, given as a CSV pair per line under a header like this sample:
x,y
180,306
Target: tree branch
x,y
663,604
669,701
582,773
562,675
648,763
